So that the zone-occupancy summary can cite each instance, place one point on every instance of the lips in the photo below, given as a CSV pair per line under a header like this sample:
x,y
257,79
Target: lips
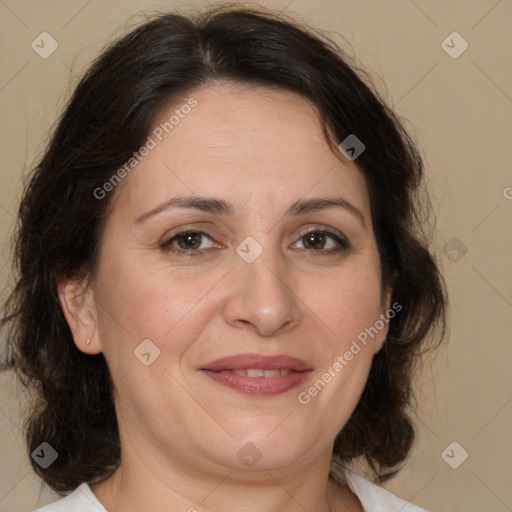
x,y
247,361
258,375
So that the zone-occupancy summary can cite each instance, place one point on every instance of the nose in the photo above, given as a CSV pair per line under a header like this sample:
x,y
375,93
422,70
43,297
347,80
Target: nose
x,y
262,298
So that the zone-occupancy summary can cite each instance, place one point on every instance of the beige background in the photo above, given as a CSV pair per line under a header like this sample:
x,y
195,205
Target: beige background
x,y
460,112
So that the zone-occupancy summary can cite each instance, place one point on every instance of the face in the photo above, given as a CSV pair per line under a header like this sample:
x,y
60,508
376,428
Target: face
x,y
253,268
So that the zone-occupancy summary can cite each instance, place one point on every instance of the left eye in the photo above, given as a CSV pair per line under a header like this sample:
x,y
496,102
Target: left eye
x,y
320,240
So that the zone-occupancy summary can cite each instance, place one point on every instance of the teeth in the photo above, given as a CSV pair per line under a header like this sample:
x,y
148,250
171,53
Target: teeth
x,y
258,372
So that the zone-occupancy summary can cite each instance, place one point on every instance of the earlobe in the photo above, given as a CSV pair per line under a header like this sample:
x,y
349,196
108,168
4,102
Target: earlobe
x,y
78,307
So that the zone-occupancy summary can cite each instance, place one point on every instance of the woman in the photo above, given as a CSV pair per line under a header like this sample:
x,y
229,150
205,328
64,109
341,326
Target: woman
x,y
223,287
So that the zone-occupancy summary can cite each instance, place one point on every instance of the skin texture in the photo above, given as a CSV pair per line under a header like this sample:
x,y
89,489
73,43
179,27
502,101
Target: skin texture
x,y
261,150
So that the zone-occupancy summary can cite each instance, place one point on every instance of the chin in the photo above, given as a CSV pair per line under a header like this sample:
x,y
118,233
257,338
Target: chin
x,y
267,450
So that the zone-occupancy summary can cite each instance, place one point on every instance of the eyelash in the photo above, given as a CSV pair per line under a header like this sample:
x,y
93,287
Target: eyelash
x,y
342,242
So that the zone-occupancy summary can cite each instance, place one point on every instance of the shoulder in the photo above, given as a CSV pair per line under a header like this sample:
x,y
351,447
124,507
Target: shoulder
x,y
81,499
376,499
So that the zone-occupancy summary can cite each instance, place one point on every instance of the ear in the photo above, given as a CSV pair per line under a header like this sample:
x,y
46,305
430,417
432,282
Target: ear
x,y
386,313
77,302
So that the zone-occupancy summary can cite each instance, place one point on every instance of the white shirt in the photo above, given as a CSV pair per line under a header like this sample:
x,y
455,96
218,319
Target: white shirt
x,y
372,497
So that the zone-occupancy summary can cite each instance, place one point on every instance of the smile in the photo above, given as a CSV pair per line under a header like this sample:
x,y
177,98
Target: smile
x,y
253,374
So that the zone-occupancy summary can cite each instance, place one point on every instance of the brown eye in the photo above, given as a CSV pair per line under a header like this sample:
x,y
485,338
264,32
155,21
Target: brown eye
x,y
190,243
323,241
189,240
314,240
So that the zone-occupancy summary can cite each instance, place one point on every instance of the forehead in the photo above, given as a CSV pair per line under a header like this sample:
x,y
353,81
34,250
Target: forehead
x,y
242,141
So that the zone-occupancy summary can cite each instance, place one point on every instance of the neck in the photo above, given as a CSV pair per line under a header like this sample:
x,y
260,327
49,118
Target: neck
x,y
144,483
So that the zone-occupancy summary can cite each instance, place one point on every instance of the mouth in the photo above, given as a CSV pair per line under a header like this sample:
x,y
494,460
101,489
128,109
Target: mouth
x,y
253,374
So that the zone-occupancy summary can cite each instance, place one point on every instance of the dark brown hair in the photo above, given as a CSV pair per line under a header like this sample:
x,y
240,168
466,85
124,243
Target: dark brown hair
x,y
108,118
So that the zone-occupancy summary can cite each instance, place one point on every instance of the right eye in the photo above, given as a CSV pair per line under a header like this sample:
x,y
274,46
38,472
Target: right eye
x,y
188,243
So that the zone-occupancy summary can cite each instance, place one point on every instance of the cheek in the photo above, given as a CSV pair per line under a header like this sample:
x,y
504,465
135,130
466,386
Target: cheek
x,y
149,301
348,307
349,302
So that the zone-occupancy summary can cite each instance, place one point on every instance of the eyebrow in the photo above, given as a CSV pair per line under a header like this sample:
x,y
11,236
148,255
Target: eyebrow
x,y
221,207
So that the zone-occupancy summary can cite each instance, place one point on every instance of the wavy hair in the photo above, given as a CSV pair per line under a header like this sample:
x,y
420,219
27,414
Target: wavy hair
x,y
108,117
